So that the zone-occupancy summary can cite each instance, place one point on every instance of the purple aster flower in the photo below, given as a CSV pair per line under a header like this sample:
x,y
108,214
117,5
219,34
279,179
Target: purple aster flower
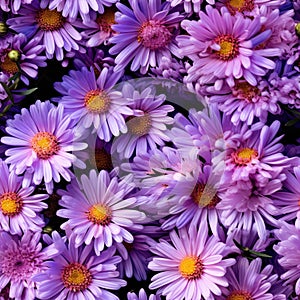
x,y
13,5
192,268
147,128
98,30
94,101
225,50
103,212
77,273
142,296
71,8
287,200
144,34
41,139
190,6
19,209
49,27
243,102
20,259
248,281
27,54
248,7
289,250
135,256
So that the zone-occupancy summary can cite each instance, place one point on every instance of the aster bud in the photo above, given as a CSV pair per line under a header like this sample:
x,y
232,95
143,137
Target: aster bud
x,y
3,28
297,29
48,229
14,55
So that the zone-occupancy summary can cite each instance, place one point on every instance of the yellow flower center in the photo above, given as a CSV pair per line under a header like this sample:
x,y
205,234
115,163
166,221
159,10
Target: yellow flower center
x,y
191,267
8,66
229,47
239,295
106,20
45,145
97,101
139,125
99,214
50,20
103,159
76,277
10,204
239,5
244,156
205,196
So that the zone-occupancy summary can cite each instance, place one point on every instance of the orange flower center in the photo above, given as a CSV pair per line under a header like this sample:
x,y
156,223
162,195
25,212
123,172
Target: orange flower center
x,y
106,20
191,267
99,214
97,101
8,66
76,277
45,145
244,156
229,47
239,295
10,204
50,20
205,196
239,6
139,125
245,91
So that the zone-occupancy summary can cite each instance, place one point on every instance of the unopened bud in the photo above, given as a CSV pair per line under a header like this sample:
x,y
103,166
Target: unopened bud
x,y
3,28
297,29
14,55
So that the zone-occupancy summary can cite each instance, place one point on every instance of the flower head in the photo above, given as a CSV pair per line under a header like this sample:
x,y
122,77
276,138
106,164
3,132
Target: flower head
x,y
191,267
41,139
145,33
102,213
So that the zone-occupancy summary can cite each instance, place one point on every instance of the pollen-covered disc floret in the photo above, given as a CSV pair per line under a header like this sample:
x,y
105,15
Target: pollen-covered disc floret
x,y
191,267
76,277
49,20
45,145
99,214
239,295
97,101
154,35
244,156
11,204
139,126
229,47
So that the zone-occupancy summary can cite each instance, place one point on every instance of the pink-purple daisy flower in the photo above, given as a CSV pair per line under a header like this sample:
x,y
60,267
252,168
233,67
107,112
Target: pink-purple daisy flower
x,y
41,139
145,33
225,47
148,127
49,27
192,267
93,101
102,212
19,207
77,273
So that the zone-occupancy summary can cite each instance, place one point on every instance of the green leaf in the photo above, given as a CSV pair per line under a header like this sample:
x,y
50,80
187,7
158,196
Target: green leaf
x,y
27,92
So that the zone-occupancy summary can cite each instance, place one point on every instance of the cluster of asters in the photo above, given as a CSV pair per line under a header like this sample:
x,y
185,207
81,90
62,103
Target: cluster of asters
x,y
149,149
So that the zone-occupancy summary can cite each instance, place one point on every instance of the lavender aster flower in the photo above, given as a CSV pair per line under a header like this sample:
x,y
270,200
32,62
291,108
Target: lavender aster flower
x,y
71,8
93,101
19,209
225,49
47,26
248,282
192,268
289,250
103,212
147,128
77,273
20,259
287,199
41,140
145,34
27,53
142,296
